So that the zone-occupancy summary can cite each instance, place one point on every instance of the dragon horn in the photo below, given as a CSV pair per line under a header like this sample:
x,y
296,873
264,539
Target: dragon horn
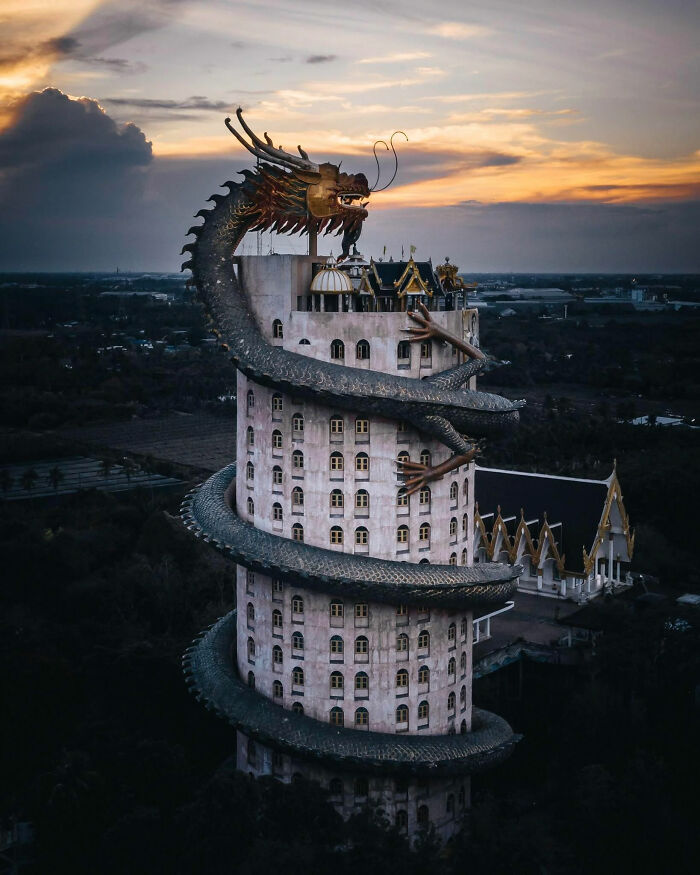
x,y
258,152
278,154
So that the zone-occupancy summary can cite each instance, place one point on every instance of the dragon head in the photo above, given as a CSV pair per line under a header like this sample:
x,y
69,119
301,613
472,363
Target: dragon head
x,y
293,194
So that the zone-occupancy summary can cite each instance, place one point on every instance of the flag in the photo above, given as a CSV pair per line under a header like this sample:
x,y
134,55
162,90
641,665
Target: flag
x,y
413,249
402,253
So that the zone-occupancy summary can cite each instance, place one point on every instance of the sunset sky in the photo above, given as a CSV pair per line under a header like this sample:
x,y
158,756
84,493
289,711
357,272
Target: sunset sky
x,y
543,136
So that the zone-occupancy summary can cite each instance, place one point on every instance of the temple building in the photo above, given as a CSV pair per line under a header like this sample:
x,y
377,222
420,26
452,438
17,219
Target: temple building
x,y
571,537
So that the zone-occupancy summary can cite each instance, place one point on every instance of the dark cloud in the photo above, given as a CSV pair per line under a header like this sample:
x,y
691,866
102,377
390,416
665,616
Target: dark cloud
x,y
320,59
197,102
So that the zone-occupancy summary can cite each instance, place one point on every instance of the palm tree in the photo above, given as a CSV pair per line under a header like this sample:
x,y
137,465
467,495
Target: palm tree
x,y
29,478
55,477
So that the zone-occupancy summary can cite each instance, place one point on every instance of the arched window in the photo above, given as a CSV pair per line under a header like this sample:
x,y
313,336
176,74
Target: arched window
x,y
361,646
277,405
298,676
362,462
466,490
250,471
402,714
277,691
402,642
297,532
337,717
452,666
402,535
337,462
453,527
423,710
424,675
401,820
424,639
424,533
298,708
251,680
277,619
297,641
276,439
362,500
452,633
362,350
361,681
403,352
250,400
337,500
277,329
250,613
362,428
298,498
277,655
361,788
298,460
463,663
251,649
297,604
464,556
453,491
337,610
361,717
402,496
335,787
337,681
402,678
276,476
250,436
337,350
336,426
463,696
424,496
250,506
361,536
451,702
425,458
336,535
463,628
453,558
298,423
465,524
463,731
337,646
277,514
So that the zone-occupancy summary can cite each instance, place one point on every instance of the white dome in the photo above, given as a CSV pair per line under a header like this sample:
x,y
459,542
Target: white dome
x,y
331,281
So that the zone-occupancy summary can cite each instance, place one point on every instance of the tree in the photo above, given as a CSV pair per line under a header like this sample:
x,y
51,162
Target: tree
x,y
29,478
55,477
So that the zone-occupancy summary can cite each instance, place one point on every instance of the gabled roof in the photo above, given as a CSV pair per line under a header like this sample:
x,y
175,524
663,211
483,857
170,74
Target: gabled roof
x,y
581,507
401,277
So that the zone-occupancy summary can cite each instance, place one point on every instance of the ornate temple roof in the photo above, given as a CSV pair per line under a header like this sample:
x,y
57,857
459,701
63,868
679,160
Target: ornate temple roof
x,y
400,278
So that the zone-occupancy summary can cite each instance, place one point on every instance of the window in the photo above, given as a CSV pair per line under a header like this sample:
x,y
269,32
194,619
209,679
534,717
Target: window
x,y
361,681
425,458
362,350
361,788
251,649
452,633
337,499
337,609
277,405
298,422
465,524
362,462
277,515
277,587
297,605
335,787
463,731
453,491
424,533
466,489
402,457
276,476
361,536
401,610
277,655
453,527
298,708
277,619
336,646
362,500
250,400
337,350
337,462
463,628
337,717
251,506
336,535
362,427
298,676
298,498
251,680
403,352
426,349
402,714
402,535
423,815
298,460
250,471
250,436
277,329
304,342
250,613
464,556
277,691
424,675
402,678
249,581
361,645
336,680
424,496
276,439
401,820
452,666
402,498
451,702
424,640
337,426
453,558
402,642
297,641
463,663
423,710
298,532
361,717
463,696
401,429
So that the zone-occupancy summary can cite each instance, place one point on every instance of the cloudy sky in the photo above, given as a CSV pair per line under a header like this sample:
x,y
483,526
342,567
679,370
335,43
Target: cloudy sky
x,y
545,136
